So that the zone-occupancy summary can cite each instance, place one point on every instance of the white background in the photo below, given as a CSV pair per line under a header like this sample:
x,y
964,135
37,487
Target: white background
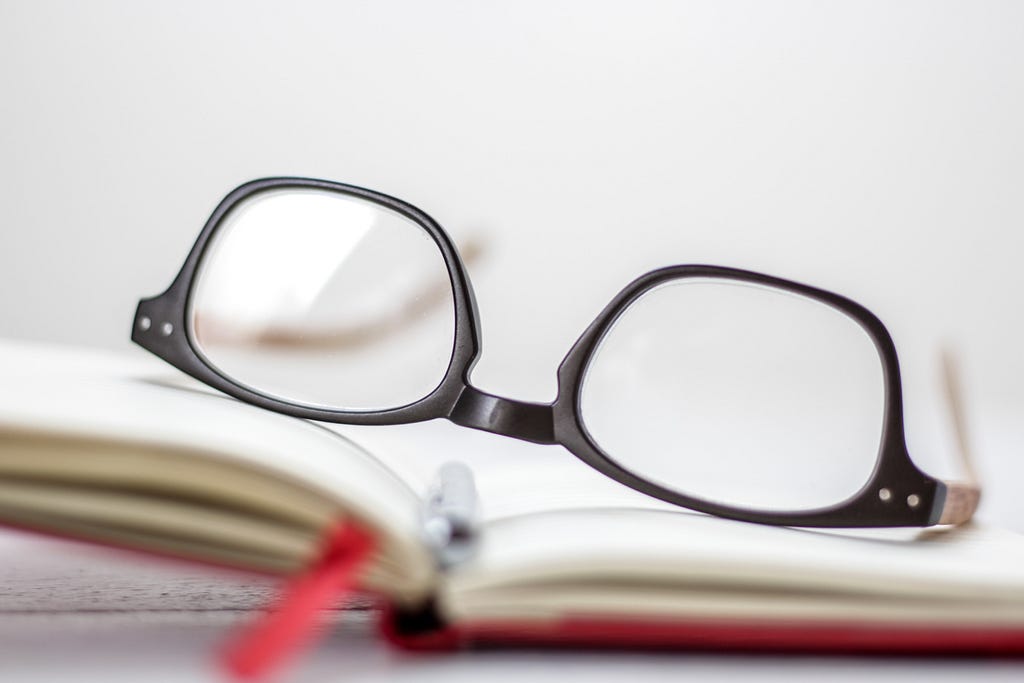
x,y
875,149
872,148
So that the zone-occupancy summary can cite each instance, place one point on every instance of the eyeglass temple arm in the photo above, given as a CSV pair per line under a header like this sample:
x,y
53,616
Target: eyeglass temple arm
x,y
962,497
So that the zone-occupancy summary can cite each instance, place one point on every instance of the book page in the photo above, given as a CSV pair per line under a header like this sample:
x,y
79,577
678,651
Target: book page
x,y
91,396
622,555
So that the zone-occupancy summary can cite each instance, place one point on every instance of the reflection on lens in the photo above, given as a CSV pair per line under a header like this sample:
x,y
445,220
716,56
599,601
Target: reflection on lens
x,y
738,394
324,299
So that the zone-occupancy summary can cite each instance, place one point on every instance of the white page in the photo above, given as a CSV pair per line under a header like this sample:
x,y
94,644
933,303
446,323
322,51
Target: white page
x,y
93,394
684,549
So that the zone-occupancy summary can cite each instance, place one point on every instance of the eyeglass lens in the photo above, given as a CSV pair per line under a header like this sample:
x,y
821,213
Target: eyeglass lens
x,y
737,394
325,300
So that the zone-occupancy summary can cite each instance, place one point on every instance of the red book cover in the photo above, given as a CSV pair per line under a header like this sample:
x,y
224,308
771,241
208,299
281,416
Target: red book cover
x,y
710,636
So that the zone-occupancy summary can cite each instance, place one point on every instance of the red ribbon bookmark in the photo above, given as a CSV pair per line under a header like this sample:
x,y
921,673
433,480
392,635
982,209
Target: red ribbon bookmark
x,y
291,625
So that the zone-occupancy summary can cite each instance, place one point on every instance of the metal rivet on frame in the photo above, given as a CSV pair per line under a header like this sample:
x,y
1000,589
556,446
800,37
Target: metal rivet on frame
x,y
166,329
885,495
913,500
145,323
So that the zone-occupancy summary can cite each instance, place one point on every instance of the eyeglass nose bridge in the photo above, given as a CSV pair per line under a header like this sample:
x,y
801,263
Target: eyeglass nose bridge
x,y
533,422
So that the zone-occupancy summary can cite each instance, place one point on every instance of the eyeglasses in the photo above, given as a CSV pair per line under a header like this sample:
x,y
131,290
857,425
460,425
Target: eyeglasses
x,y
719,390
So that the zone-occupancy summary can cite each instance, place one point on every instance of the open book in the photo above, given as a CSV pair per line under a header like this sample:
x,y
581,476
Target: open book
x,y
125,453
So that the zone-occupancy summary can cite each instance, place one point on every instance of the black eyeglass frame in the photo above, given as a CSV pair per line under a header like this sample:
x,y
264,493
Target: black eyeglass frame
x,y
896,494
